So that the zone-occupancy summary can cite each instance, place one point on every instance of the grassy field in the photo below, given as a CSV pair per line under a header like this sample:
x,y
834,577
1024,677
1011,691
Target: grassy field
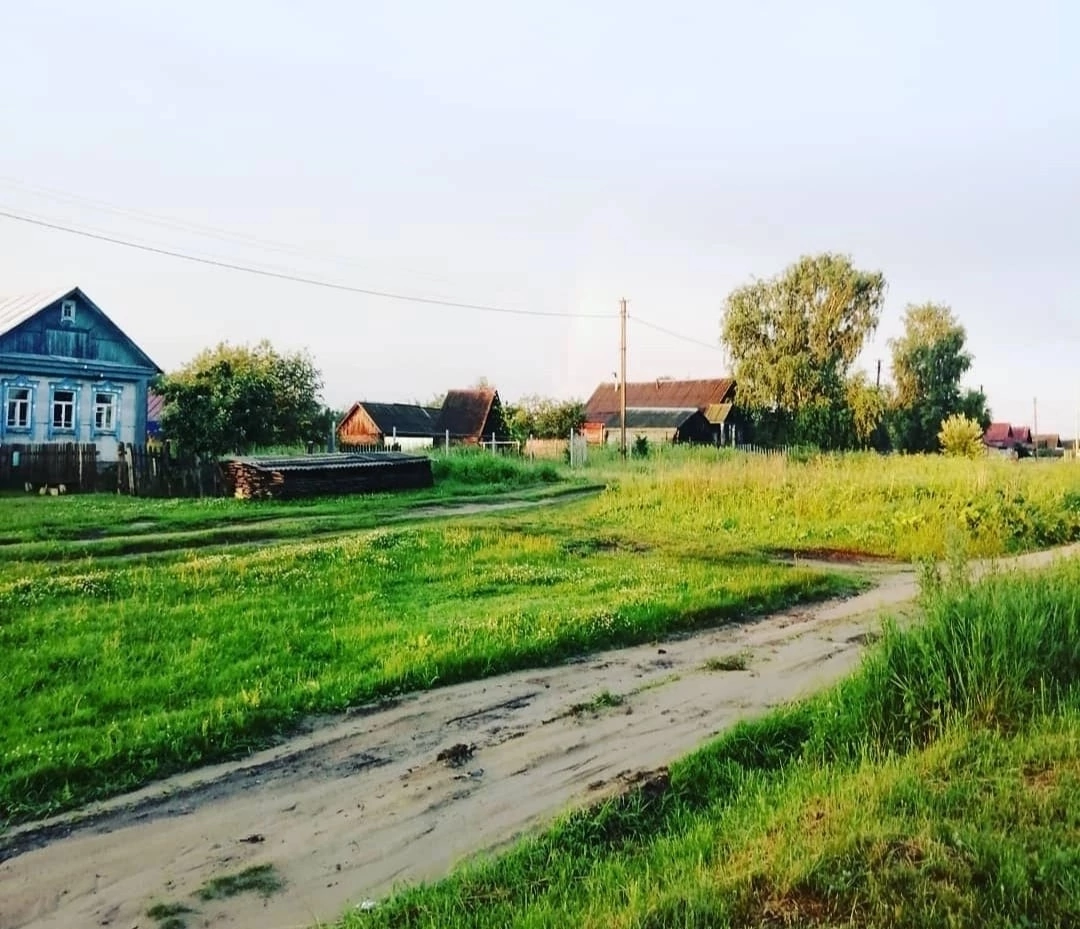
x,y
902,507
118,675
101,525
122,669
939,786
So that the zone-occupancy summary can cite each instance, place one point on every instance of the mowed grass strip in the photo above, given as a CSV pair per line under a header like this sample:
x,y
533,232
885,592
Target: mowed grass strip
x,y
116,676
940,785
79,525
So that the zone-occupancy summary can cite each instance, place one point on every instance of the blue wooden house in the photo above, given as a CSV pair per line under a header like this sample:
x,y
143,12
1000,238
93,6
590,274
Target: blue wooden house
x,y
69,374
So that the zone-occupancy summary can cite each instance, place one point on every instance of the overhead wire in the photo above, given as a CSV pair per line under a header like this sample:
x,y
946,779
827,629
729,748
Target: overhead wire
x,y
271,245
181,225
674,334
294,278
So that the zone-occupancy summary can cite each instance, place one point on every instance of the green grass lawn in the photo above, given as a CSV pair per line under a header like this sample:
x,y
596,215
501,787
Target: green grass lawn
x,y
98,525
939,786
119,670
119,675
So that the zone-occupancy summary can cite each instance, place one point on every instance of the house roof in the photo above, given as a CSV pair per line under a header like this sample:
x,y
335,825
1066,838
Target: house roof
x,y
333,462
1048,440
638,418
998,432
464,413
698,394
409,419
16,310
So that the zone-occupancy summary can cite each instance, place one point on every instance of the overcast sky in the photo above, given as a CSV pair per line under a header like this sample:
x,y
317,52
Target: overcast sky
x,y
547,156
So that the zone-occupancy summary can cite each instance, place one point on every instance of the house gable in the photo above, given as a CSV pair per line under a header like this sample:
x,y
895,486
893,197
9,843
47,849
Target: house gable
x,y
372,422
66,328
472,415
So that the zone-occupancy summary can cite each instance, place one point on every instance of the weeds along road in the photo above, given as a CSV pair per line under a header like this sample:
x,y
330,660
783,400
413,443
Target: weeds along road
x,y
361,803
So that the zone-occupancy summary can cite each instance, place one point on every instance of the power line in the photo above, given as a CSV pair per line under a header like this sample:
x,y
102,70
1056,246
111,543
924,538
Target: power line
x,y
294,278
286,248
677,335
214,232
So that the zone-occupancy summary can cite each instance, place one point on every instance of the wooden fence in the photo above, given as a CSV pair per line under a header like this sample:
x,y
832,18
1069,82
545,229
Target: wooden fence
x,y
139,471
73,466
779,452
154,472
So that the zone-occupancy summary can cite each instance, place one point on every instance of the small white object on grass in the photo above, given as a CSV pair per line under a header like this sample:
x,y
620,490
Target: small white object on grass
x,y
366,905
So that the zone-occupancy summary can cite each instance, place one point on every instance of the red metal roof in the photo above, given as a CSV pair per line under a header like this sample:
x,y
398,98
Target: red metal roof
x,y
660,394
998,432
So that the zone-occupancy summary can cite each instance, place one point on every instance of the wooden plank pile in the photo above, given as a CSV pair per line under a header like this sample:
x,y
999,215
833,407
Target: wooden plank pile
x,y
315,475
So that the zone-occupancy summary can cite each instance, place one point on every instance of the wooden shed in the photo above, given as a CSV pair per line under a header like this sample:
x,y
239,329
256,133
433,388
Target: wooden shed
x,y
315,475
406,425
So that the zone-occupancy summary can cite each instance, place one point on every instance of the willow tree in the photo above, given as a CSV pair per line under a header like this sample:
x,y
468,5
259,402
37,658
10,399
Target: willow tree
x,y
794,338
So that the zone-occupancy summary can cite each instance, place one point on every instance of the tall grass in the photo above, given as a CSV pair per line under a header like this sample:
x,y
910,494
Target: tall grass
x,y
905,507
498,471
938,786
990,654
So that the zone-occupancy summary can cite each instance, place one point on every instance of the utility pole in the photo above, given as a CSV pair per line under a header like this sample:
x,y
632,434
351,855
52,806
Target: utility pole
x,y
1035,426
622,376
879,374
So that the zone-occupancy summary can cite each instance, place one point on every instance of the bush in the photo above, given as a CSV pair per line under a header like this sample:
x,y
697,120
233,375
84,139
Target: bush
x,y
961,437
495,470
641,447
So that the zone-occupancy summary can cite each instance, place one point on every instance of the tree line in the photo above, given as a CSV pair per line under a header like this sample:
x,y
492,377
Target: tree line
x,y
794,340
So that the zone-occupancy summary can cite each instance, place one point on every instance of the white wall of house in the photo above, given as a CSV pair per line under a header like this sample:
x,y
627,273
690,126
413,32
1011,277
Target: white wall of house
x,y
50,424
408,443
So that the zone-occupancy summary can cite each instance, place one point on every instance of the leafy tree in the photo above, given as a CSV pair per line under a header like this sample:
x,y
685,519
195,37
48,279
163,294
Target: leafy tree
x,y
794,337
928,362
544,417
236,398
973,405
961,437
866,404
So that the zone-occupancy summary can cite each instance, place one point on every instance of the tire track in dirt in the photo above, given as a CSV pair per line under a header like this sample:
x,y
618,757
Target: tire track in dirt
x,y
360,803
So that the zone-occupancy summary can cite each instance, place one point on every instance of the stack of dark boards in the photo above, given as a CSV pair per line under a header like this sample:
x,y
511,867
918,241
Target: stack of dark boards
x,y
315,475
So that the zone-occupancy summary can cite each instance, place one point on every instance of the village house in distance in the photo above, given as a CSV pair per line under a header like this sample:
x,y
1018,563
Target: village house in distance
x,y
665,410
68,374
466,417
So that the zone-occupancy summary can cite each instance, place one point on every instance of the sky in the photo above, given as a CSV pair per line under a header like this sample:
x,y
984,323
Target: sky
x,y
549,157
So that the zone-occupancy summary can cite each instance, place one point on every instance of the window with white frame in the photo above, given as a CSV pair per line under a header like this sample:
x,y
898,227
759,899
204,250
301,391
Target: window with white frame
x,y
19,403
63,411
67,311
104,411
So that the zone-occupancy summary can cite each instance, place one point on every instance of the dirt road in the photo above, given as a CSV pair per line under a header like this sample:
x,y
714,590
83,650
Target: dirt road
x,y
360,803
